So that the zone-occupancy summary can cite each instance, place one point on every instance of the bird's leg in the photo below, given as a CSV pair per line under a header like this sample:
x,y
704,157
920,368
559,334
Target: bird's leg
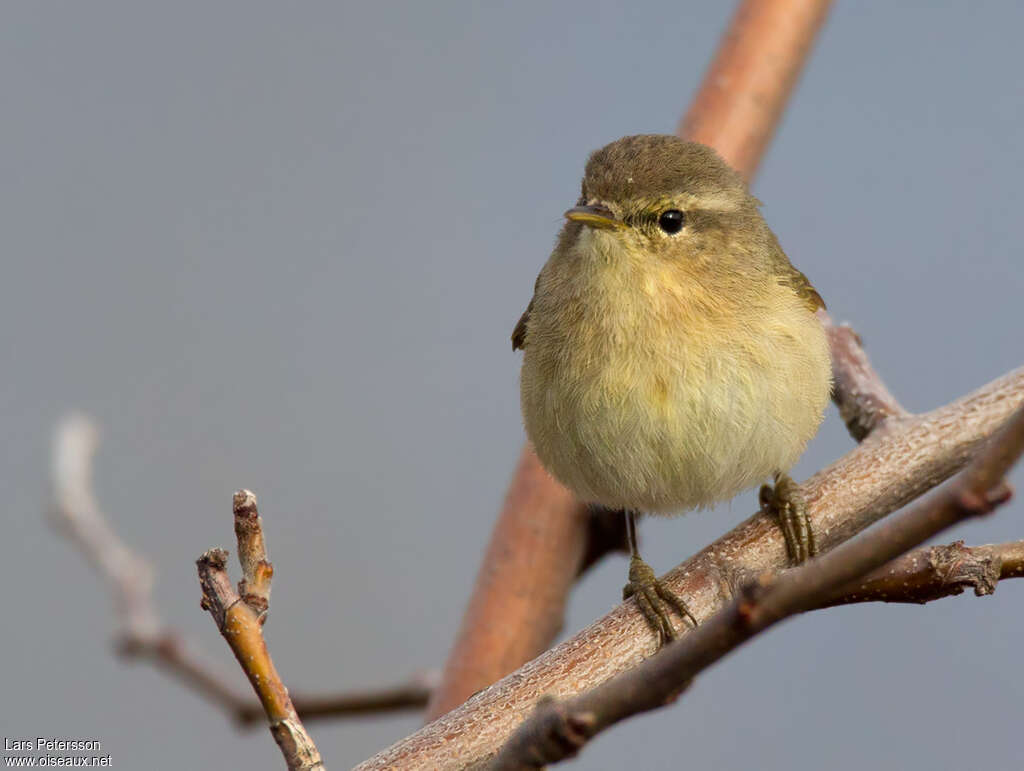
x,y
787,504
652,596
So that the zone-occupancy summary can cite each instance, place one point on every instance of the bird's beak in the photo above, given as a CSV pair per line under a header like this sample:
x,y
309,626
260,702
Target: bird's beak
x,y
595,216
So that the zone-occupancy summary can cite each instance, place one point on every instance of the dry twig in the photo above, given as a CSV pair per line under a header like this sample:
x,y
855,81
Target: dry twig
x,y
934,572
412,694
142,633
240,617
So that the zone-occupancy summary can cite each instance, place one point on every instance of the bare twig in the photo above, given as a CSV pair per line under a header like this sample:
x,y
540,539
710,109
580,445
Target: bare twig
x,y
240,617
557,731
78,515
257,571
886,471
412,694
863,400
934,572
141,632
540,542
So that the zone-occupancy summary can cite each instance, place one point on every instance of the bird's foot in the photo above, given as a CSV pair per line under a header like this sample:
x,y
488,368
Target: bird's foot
x,y
787,504
654,599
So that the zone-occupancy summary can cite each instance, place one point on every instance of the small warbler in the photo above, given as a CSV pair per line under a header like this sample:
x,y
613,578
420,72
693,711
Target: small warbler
x,y
672,356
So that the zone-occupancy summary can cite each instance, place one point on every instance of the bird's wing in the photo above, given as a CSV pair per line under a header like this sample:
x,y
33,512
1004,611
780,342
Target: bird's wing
x,y
519,333
800,284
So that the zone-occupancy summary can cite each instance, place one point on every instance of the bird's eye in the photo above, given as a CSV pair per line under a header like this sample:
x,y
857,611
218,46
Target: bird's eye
x,y
671,221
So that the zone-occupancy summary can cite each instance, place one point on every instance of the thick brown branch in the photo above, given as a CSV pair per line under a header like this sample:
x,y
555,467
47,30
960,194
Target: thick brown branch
x,y
749,81
240,617
885,472
142,634
540,541
556,731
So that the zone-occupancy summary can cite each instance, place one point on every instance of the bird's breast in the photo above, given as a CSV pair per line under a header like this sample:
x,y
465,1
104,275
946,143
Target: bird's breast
x,y
642,391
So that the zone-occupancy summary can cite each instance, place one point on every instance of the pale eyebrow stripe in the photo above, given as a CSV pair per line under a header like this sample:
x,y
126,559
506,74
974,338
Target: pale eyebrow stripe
x,y
713,202
692,202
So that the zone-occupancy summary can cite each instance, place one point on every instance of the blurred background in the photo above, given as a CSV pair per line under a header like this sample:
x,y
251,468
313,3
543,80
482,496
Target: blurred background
x,y
283,247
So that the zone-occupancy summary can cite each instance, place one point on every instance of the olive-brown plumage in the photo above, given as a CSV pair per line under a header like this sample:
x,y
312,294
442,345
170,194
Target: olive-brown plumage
x,y
672,356
667,371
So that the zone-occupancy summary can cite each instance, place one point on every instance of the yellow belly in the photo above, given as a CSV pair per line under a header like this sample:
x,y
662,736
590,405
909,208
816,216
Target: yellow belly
x,y
665,417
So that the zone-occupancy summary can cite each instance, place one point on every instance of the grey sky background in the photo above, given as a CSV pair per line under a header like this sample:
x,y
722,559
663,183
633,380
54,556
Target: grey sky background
x,y
282,246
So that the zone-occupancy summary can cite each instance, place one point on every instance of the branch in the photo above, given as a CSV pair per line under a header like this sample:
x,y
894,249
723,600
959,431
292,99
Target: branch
x,y
557,731
888,470
240,617
863,400
141,632
398,698
540,543
935,572
749,81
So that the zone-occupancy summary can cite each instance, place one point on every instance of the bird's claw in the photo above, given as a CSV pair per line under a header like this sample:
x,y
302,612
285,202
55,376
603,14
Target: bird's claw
x,y
786,503
654,600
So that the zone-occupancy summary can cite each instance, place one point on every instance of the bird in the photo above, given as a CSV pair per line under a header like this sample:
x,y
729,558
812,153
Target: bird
x,y
672,355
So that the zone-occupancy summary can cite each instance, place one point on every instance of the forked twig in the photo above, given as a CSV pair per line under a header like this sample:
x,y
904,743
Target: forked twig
x,y
240,617
142,633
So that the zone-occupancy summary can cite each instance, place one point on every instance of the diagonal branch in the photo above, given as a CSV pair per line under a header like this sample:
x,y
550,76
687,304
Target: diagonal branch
x,y
748,84
557,730
141,632
886,471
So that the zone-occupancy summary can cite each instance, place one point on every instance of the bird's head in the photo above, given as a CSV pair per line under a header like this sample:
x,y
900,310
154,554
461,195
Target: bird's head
x,y
655,196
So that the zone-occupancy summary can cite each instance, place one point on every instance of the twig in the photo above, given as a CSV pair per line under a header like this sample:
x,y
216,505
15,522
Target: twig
x,y
885,472
141,632
557,731
399,698
540,542
863,400
935,572
240,617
